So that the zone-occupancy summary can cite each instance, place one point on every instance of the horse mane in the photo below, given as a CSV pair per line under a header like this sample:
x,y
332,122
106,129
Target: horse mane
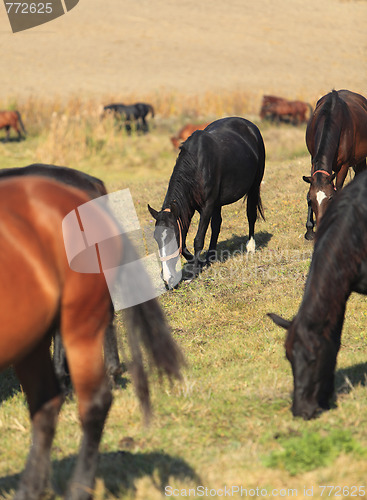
x,y
185,189
331,129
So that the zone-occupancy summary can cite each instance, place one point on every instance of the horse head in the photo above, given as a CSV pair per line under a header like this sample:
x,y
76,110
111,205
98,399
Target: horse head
x,y
313,360
168,235
321,191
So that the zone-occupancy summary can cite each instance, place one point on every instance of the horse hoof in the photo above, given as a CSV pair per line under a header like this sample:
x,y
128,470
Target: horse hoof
x,y
310,235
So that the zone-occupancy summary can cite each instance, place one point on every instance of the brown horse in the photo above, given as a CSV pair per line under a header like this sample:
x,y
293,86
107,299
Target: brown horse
x,y
94,187
336,138
294,112
38,283
12,119
185,133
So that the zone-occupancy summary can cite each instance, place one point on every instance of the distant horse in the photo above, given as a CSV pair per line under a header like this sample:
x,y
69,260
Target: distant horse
x,y
216,166
336,138
338,268
12,119
267,102
185,132
39,292
94,188
131,112
294,112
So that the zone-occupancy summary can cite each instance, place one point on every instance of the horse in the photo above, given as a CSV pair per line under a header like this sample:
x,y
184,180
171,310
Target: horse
x,y
39,285
185,132
131,112
216,166
94,188
287,111
338,268
336,137
12,119
267,101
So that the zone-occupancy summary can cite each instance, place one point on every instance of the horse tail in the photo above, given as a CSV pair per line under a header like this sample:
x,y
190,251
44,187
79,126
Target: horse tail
x,y
146,325
151,109
21,123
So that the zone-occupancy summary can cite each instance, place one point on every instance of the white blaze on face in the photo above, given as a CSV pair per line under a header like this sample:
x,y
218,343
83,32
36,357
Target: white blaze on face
x,y
320,196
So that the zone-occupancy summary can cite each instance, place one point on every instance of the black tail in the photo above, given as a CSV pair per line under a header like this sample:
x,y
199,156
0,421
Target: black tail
x,y
21,123
146,324
151,110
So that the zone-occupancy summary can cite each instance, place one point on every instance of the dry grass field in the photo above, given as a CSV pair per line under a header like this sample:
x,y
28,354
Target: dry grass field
x,y
113,49
228,425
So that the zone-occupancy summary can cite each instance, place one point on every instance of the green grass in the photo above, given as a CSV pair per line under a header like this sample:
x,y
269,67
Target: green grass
x,y
229,422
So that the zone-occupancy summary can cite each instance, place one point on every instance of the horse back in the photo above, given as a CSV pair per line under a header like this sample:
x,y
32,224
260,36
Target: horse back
x,y
93,186
230,157
33,262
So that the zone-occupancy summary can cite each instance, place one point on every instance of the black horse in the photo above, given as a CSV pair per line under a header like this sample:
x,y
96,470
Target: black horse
x,y
338,268
131,112
216,166
94,187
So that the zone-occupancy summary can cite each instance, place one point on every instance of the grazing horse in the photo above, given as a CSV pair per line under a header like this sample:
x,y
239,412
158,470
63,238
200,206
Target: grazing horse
x,y
39,293
94,188
185,133
131,112
336,138
338,268
12,119
279,109
215,167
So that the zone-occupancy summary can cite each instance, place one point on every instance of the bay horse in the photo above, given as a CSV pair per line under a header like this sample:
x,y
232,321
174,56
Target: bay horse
x,y
185,132
94,188
338,268
12,119
336,138
216,166
38,283
279,109
131,112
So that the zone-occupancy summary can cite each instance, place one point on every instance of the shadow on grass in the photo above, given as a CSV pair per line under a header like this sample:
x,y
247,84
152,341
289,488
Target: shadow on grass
x,y
9,385
119,471
347,378
237,245
233,247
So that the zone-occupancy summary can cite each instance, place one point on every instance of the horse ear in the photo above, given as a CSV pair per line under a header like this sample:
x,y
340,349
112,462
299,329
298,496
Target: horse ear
x,y
307,179
278,320
153,212
332,177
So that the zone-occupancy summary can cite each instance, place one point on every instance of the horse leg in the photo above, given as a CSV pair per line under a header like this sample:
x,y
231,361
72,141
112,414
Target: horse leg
x,y
309,235
83,344
39,382
205,217
60,362
111,353
360,167
7,129
144,126
216,223
252,203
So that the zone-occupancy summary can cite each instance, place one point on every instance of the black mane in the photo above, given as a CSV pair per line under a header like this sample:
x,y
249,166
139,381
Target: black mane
x,y
184,189
331,130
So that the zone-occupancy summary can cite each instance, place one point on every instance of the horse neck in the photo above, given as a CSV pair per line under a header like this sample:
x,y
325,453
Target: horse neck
x,y
326,292
184,190
327,136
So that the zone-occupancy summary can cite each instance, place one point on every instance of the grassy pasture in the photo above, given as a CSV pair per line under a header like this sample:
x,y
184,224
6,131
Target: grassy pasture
x,y
229,423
